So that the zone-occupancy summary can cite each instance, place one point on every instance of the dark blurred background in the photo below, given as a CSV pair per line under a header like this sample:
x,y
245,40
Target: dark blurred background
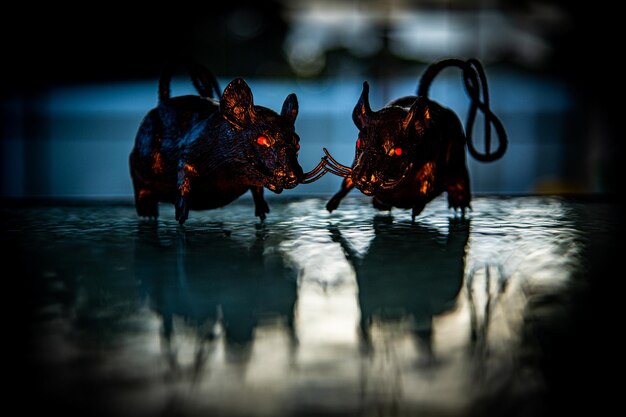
x,y
76,84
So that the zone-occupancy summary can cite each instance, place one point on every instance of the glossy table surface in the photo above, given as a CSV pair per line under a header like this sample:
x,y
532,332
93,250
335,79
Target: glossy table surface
x,y
351,313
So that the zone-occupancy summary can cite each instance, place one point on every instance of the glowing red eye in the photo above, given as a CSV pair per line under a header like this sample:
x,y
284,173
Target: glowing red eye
x,y
398,151
262,140
358,143
297,146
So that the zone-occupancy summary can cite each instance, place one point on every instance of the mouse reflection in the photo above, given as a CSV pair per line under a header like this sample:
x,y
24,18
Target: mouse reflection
x,y
221,287
409,273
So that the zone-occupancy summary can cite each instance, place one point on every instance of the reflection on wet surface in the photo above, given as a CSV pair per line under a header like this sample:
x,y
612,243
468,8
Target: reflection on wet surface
x,y
356,313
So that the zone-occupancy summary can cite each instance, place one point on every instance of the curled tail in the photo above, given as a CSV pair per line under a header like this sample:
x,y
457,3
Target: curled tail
x,y
475,82
433,69
203,80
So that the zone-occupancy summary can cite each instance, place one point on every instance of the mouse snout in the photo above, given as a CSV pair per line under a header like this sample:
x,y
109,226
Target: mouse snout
x,y
288,177
367,181
372,179
282,174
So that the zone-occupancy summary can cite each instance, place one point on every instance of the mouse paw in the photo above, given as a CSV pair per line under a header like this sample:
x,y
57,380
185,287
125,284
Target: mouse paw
x,y
182,209
147,204
332,204
261,209
416,210
458,195
459,201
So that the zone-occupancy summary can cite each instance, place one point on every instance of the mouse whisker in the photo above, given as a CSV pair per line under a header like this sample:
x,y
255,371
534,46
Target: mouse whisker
x,y
317,177
334,170
331,167
324,166
337,164
313,179
315,171
337,170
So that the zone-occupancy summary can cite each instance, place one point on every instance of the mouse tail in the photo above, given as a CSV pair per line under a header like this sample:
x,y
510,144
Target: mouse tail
x,y
203,80
477,89
433,70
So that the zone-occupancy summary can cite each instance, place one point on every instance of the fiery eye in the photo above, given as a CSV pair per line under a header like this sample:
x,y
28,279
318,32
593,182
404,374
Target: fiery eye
x,y
358,143
263,141
297,146
395,151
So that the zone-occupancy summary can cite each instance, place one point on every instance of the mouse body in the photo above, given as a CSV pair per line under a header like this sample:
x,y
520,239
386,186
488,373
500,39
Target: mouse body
x,y
407,153
413,149
203,152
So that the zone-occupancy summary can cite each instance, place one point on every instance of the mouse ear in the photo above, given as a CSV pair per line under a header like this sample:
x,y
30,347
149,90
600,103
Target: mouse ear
x,y
362,111
236,104
419,117
290,108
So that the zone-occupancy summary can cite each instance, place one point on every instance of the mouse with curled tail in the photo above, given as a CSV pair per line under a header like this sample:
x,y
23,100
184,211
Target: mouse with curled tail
x,y
203,152
413,149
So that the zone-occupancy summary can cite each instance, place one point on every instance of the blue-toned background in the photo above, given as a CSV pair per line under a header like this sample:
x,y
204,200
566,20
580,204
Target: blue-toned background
x,y
77,90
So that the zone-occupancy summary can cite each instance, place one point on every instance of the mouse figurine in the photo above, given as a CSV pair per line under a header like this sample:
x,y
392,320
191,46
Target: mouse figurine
x,y
412,150
203,152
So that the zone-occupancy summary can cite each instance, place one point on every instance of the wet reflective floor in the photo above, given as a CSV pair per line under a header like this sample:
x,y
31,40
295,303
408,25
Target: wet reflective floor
x,y
503,312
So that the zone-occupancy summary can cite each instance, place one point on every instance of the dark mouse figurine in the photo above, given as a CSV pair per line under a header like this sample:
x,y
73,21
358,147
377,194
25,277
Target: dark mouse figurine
x,y
413,149
201,153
